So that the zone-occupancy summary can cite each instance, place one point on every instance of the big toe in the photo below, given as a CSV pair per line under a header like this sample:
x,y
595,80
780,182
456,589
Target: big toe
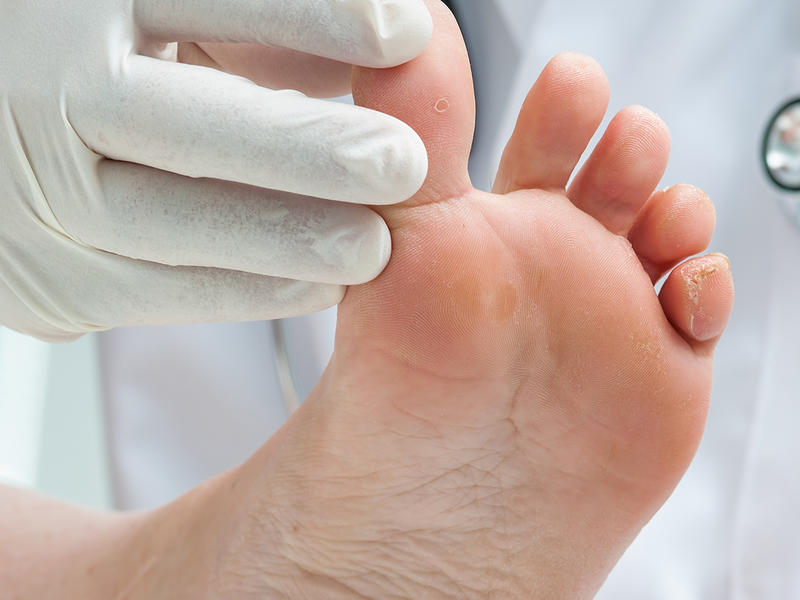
x,y
434,95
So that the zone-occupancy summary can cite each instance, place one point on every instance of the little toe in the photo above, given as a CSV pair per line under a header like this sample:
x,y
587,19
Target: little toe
x,y
558,119
624,169
697,298
674,224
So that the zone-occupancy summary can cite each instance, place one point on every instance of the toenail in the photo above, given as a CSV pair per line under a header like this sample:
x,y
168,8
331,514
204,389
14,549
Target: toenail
x,y
702,325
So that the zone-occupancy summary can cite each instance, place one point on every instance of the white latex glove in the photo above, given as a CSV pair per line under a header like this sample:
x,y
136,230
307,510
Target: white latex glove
x,y
104,218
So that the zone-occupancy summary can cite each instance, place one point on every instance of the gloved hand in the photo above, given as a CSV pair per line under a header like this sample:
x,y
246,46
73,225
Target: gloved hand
x,y
136,190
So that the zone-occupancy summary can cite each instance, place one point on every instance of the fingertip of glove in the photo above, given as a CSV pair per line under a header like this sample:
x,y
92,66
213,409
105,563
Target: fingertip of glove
x,y
362,251
402,29
375,254
325,297
417,167
404,168
309,298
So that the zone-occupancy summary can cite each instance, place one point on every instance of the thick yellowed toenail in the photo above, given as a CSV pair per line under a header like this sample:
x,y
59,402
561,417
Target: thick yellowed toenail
x,y
700,275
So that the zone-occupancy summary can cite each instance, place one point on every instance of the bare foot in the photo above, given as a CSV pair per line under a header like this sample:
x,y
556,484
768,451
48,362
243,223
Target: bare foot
x,y
510,401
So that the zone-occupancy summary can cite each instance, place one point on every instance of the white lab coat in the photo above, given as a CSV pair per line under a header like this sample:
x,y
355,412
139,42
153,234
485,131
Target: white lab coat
x,y
184,403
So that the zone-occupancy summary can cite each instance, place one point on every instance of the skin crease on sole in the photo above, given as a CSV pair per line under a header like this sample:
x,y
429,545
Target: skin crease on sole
x,y
510,401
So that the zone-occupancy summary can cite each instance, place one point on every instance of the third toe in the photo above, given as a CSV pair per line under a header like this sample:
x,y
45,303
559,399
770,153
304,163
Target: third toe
x,y
624,169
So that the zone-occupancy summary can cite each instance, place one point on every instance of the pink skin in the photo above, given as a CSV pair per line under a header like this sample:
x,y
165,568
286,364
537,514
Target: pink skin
x,y
510,401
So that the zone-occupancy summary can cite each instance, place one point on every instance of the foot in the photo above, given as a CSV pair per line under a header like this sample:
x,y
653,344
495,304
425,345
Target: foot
x,y
511,401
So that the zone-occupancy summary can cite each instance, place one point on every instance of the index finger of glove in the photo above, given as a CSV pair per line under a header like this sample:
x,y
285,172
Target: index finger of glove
x,y
370,33
200,122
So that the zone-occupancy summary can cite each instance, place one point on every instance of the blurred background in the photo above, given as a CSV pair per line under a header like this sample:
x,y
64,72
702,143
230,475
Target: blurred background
x,y
51,419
